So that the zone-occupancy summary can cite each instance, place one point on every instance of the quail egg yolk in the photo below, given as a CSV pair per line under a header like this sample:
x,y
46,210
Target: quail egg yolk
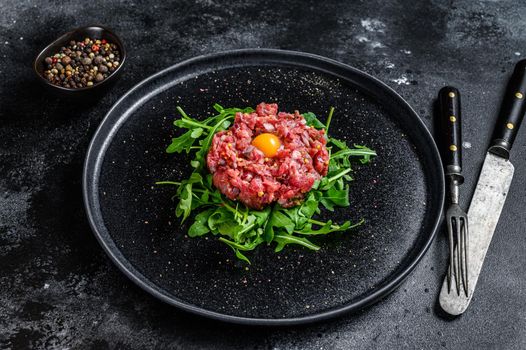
x,y
267,143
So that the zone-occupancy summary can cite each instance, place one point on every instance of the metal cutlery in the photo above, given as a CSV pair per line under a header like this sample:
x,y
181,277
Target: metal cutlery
x,y
492,188
456,218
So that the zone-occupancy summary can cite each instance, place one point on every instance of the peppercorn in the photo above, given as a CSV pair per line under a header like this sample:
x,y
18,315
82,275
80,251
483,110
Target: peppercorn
x,y
82,63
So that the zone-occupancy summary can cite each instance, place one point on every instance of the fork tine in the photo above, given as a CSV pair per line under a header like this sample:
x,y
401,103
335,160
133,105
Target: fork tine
x,y
451,253
464,261
457,251
462,256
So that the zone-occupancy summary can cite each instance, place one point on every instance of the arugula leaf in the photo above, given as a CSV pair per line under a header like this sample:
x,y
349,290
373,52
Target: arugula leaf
x,y
245,247
242,256
185,202
241,247
200,226
335,197
307,209
218,107
302,213
278,220
261,215
229,228
313,121
326,228
362,151
329,118
196,133
219,217
181,143
284,239
367,153
337,143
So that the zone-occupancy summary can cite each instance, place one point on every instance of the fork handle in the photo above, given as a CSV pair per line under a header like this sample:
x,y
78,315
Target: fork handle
x,y
449,101
511,112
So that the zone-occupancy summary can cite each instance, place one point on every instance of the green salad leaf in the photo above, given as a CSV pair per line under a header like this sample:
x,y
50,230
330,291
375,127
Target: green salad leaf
x,y
243,228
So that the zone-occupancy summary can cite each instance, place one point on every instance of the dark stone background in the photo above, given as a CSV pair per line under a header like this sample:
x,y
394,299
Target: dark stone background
x,y
57,288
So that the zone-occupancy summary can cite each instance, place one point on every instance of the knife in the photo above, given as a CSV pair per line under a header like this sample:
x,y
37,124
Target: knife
x,y
492,188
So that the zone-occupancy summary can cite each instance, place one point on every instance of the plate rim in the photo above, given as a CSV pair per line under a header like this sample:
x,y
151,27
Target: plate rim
x,y
94,153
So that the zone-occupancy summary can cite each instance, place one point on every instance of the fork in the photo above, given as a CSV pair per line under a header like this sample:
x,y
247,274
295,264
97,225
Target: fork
x,y
456,218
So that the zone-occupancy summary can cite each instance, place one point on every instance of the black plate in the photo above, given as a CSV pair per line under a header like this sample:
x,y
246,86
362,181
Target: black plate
x,y
400,194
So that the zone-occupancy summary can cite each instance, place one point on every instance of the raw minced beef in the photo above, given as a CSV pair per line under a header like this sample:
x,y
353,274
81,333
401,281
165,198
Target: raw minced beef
x,y
242,172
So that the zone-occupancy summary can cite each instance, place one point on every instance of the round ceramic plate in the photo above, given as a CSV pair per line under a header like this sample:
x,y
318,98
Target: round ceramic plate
x,y
400,194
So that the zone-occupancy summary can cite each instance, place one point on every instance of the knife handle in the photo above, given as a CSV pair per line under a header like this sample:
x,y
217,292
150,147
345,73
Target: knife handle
x,y
449,101
511,112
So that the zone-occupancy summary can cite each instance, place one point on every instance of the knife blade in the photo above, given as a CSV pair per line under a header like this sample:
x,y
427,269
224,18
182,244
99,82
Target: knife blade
x,y
492,188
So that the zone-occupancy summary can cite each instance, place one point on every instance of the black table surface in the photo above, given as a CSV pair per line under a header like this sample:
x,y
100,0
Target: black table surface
x,y
58,289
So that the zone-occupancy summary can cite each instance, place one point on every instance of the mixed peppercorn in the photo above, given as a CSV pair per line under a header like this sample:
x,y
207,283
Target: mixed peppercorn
x,y
82,63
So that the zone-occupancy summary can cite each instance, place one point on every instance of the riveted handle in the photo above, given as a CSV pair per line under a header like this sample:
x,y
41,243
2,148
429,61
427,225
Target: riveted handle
x,y
511,112
449,101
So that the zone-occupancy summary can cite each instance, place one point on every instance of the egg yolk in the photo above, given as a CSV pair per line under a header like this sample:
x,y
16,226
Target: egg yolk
x,y
267,143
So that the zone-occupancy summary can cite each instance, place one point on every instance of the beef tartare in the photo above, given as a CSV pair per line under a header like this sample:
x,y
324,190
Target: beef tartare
x,y
268,156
